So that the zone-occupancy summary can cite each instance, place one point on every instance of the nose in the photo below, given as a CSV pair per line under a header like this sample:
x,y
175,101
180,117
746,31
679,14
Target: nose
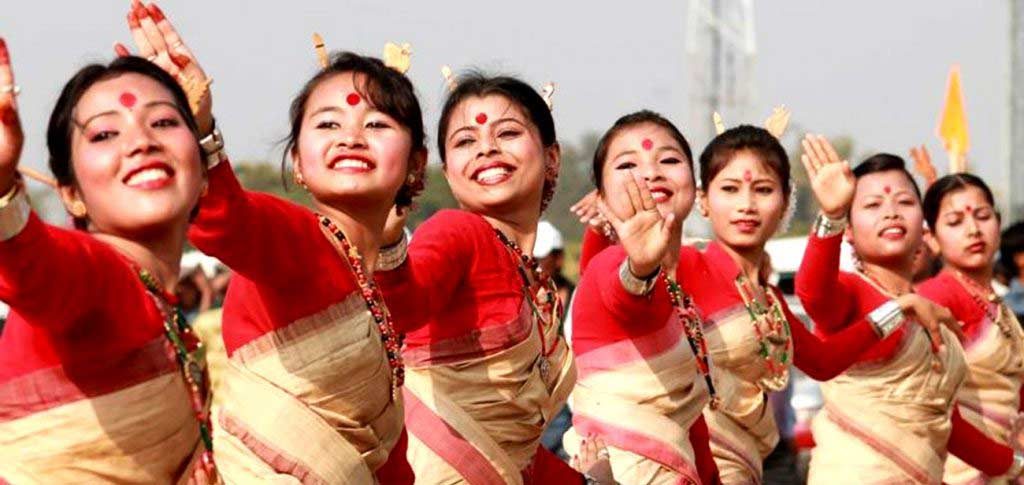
x,y
972,226
351,137
139,139
487,146
651,172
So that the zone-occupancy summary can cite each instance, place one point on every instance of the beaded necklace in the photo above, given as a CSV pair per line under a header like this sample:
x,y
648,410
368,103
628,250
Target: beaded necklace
x,y
374,302
692,325
191,364
983,298
544,303
772,330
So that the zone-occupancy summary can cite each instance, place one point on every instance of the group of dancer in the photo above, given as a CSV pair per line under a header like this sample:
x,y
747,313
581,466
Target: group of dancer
x,y
360,355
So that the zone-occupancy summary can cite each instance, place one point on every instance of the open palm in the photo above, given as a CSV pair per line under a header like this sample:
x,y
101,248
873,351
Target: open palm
x,y
643,233
831,179
11,137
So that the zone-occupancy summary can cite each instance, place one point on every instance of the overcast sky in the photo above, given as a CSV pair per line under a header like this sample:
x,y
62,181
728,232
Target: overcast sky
x,y
871,69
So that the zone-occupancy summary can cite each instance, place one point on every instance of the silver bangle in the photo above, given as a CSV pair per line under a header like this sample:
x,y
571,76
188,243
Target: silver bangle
x,y
14,212
213,147
824,226
633,284
886,318
393,256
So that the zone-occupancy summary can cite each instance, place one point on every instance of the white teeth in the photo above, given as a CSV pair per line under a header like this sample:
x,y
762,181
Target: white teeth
x,y
147,175
893,230
659,196
492,174
351,163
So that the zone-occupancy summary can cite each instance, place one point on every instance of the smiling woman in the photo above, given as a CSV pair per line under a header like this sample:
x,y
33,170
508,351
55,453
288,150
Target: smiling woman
x,y
487,368
86,372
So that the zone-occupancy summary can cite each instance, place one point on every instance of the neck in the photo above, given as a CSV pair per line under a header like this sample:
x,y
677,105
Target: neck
x,y
160,255
520,227
897,279
748,259
981,276
363,228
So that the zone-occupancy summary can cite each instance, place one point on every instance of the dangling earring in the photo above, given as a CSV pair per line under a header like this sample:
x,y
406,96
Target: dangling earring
x,y
411,179
78,210
300,181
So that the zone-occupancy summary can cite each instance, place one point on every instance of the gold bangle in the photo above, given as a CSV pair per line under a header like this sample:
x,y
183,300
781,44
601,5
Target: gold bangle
x,y
393,256
633,284
14,212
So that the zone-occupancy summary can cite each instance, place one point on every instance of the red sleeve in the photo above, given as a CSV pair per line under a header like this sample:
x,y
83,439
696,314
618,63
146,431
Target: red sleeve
x,y
945,290
826,298
256,234
43,264
547,468
704,460
825,358
397,470
593,243
604,312
440,255
972,446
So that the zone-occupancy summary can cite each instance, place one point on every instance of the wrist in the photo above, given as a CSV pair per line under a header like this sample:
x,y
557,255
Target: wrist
x,y
637,285
886,318
826,225
1017,467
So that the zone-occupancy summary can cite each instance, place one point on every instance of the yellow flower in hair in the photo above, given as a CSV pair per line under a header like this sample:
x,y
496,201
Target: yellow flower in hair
x,y
397,57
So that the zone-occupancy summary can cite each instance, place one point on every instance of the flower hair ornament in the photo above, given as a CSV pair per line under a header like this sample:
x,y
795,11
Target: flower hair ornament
x,y
547,91
396,56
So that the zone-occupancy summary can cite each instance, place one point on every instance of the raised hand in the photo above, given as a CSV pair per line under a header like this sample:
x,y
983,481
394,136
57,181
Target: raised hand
x,y
586,209
592,461
643,232
923,164
831,178
394,227
158,41
11,137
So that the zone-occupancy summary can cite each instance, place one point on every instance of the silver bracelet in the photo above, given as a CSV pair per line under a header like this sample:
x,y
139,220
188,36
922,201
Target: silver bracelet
x,y
393,256
213,147
14,212
886,318
824,226
633,284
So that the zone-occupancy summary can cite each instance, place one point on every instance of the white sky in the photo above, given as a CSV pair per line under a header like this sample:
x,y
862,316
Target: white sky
x,y
871,69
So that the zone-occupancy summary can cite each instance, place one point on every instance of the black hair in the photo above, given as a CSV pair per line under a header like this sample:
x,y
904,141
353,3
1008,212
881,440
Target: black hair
x,y
751,138
885,162
478,84
946,185
62,119
1012,243
636,118
388,90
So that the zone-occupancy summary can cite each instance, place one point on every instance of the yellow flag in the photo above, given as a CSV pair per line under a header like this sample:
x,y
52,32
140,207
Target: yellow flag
x,y
953,124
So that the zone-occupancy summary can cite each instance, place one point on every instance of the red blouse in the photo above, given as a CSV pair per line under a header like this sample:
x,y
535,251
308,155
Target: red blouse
x,y
833,299
81,322
947,291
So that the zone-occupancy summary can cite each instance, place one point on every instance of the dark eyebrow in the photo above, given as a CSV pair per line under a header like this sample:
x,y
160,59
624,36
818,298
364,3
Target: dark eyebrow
x,y
150,104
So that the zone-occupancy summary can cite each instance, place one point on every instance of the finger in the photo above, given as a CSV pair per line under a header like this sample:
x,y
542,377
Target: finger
x,y
138,36
646,199
575,463
150,30
809,152
669,227
599,442
833,155
179,52
812,171
819,150
8,101
614,219
120,50
636,201
957,327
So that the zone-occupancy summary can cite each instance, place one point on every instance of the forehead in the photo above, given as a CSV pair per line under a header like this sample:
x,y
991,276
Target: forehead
x,y
875,183
743,161
496,106
105,95
334,89
965,196
632,136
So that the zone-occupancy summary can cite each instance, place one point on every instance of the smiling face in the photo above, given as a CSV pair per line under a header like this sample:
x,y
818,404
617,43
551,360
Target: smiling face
x,y
745,202
655,156
495,160
348,152
886,221
136,163
967,229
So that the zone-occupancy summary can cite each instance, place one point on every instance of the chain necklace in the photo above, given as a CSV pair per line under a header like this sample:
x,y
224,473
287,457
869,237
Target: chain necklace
x,y
374,303
545,303
693,326
177,330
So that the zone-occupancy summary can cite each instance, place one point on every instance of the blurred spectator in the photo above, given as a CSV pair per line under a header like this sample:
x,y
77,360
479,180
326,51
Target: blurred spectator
x,y
1011,258
549,251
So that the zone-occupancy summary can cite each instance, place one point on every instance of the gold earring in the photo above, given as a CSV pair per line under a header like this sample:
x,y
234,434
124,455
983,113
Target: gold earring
x,y
411,179
78,209
299,180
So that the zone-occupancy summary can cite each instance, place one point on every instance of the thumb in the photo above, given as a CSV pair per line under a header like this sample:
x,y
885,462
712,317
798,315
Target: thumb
x,y
669,226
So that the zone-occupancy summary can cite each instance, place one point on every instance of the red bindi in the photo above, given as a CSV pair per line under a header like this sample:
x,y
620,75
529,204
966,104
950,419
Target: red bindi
x,y
887,189
127,100
747,176
481,118
647,144
352,99
968,208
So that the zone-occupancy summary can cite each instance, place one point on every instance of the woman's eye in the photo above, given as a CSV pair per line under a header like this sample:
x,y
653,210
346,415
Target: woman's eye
x,y
461,142
872,205
730,189
327,125
508,134
166,123
625,166
983,214
765,190
671,161
377,125
102,136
